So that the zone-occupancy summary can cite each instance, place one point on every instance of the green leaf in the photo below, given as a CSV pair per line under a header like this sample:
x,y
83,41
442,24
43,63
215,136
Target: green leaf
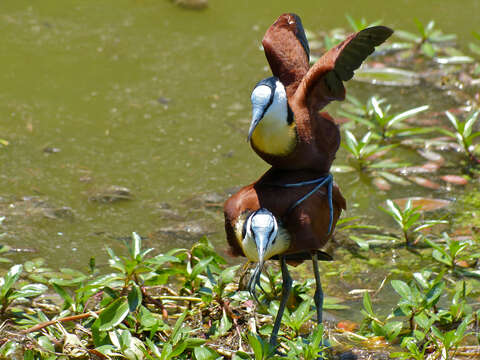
x,y
256,346
351,143
204,353
161,259
194,342
178,324
402,289
467,130
408,36
200,267
227,275
112,315
136,245
452,119
434,294
177,350
362,243
134,298
406,114
428,49
10,278
45,343
367,303
394,210
376,108
442,257
29,290
63,294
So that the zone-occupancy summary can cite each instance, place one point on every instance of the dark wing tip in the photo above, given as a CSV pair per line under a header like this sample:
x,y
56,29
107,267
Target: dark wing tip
x,y
377,34
359,48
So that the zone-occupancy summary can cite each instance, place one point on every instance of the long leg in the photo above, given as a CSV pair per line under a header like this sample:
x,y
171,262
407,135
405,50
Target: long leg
x,y
318,297
286,287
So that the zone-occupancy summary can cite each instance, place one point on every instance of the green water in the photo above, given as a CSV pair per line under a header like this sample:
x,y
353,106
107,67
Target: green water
x,y
155,98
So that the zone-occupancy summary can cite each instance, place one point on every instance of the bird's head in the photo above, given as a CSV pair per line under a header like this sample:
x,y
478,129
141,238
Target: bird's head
x,y
262,239
260,235
268,95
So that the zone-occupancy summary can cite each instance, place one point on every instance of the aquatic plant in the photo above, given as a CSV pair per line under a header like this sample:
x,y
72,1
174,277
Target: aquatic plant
x,y
427,39
376,116
464,134
362,23
365,154
409,220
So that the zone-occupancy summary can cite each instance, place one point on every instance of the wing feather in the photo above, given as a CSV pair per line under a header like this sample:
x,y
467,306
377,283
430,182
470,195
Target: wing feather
x,y
323,82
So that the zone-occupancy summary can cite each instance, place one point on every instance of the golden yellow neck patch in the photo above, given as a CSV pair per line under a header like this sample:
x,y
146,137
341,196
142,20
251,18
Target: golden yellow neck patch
x,y
273,138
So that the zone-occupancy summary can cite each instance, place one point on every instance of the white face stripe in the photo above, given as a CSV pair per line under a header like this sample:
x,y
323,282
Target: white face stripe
x,y
261,95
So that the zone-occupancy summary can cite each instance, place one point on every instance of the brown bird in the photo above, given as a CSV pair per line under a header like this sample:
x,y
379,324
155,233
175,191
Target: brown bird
x,y
265,220
287,130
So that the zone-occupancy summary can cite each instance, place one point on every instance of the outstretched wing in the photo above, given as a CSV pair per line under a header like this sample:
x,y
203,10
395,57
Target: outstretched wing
x,y
287,51
324,81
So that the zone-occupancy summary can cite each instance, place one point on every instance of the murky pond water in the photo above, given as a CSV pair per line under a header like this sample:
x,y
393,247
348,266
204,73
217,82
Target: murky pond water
x,y
146,95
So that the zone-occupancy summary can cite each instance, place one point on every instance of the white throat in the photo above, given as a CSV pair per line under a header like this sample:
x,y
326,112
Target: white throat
x,y
277,113
273,134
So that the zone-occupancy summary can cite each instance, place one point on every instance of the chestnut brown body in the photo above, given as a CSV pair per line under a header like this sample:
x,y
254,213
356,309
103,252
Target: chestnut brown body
x,y
307,224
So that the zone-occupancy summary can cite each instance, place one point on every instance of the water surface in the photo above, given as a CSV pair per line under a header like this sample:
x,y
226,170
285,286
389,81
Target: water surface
x,y
155,98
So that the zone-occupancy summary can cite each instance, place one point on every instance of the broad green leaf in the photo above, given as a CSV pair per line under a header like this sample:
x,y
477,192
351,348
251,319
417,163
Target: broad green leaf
x,y
205,353
225,324
112,315
428,49
161,259
227,275
256,345
442,257
200,267
29,290
9,279
402,289
177,350
134,298
434,294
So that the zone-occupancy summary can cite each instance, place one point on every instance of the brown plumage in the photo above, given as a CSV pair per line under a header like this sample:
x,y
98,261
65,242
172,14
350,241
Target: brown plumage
x,y
309,90
307,224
